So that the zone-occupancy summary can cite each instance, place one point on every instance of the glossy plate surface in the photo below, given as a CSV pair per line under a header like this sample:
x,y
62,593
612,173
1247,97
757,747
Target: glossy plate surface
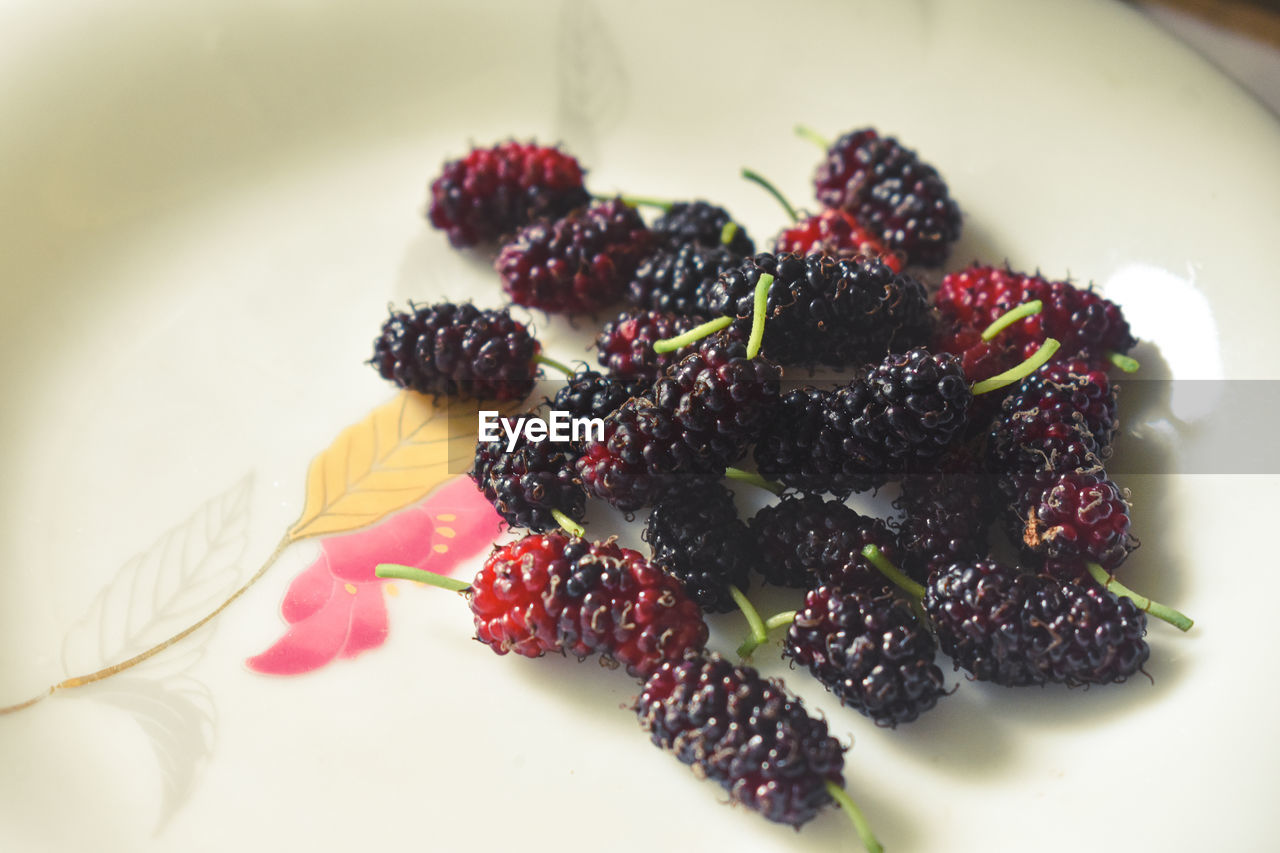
x,y
204,210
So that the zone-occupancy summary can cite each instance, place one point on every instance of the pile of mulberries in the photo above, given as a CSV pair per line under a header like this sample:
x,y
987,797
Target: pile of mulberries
x,y
879,602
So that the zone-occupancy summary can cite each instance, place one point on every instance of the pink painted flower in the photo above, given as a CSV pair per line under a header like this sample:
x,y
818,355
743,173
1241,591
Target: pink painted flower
x,y
335,608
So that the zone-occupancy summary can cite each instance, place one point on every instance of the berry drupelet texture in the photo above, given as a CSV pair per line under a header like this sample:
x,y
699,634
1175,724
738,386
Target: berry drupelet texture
x,y
457,350
893,193
1080,515
578,264
868,649
1062,392
526,483
806,541
807,443
625,344
917,409
588,394
835,233
697,419
553,592
700,223
1086,324
945,515
824,310
678,280
745,732
696,536
1016,629
492,191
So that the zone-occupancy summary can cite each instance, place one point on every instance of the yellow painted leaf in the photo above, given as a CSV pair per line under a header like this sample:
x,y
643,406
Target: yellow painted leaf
x,y
391,459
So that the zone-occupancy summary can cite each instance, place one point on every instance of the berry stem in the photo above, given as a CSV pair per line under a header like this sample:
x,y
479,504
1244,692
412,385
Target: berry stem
x,y
752,615
728,232
757,315
566,523
811,135
1019,372
754,479
778,620
756,177
1128,365
1010,317
639,201
409,573
856,817
697,333
556,365
1108,581
877,558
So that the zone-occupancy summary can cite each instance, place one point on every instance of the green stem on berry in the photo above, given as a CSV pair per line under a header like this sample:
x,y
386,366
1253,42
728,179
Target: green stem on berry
x,y
409,573
757,315
556,365
697,333
877,558
1124,362
811,135
754,479
1020,372
752,615
728,232
756,177
1010,317
856,817
1108,581
777,620
567,524
638,201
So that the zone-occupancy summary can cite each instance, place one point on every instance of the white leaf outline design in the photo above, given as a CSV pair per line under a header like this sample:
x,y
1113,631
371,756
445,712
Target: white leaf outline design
x,y
187,571
179,718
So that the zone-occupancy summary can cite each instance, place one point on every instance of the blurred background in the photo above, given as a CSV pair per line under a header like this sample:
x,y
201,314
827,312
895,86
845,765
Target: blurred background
x,y
1241,37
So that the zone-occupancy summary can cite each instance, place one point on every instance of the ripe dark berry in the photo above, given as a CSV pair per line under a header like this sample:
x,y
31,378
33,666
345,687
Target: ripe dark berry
x,y
916,410
677,280
526,483
869,650
697,419
578,264
696,536
823,310
1015,629
835,233
457,350
807,443
552,592
1081,320
892,192
492,191
700,223
807,541
745,732
641,459
589,394
625,344
946,514
1061,392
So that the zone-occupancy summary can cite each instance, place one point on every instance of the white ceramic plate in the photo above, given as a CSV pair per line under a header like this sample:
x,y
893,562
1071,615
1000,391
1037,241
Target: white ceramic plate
x,y
204,209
